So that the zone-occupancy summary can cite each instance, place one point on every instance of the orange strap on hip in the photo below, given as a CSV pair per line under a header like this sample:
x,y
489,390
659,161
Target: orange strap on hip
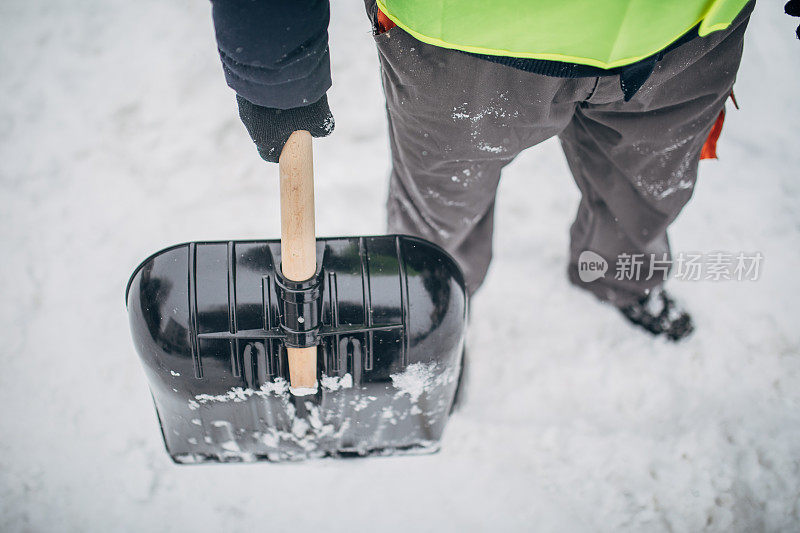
x,y
384,22
710,147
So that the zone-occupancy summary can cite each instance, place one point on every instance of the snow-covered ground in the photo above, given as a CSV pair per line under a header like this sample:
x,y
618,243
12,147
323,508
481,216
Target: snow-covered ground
x,y
118,136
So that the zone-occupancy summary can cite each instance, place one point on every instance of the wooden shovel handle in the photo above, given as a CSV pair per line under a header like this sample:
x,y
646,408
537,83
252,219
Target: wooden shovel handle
x,y
298,242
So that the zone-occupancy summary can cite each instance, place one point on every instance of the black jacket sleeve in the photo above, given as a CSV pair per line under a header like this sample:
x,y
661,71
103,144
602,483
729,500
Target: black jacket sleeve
x,y
274,52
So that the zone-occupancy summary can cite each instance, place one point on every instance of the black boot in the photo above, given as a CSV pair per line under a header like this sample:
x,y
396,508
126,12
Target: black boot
x,y
658,313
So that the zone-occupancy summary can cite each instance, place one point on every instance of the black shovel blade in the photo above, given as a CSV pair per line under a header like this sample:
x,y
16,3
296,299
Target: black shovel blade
x,y
205,321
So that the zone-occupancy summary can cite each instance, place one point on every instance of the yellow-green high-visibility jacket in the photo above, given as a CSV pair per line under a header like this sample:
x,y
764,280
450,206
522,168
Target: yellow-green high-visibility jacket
x,y
600,33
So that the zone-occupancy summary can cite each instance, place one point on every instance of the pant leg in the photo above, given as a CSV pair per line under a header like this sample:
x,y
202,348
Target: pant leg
x,y
455,121
636,162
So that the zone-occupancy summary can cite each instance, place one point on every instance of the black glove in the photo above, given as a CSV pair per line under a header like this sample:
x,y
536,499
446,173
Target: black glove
x,y
270,128
792,8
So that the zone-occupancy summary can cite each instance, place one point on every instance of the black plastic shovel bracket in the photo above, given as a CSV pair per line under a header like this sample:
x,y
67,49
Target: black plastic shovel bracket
x,y
299,308
300,312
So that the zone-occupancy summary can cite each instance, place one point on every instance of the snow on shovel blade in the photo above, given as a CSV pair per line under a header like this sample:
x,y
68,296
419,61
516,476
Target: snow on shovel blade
x,y
206,320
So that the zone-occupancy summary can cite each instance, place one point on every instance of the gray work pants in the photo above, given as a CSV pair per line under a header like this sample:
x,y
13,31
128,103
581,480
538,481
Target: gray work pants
x,y
456,120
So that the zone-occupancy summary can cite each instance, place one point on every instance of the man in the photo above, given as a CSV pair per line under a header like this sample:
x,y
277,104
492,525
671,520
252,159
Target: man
x,y
631,88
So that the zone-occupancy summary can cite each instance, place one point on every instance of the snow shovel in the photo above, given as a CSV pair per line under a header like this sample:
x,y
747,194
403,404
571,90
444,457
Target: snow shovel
x,y
303,347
